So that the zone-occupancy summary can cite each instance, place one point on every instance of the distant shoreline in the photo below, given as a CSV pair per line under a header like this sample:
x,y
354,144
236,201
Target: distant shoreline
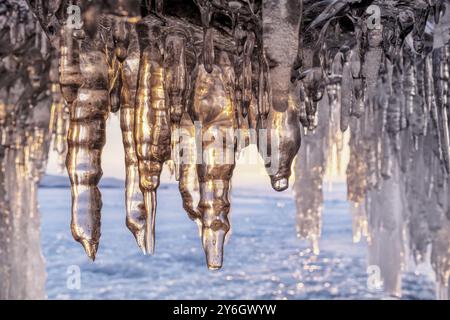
x,y
62,182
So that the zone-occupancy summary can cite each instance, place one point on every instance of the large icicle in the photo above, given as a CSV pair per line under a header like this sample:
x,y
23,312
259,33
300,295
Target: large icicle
x,y
213,107
310,166
281,24
134,201
152,124
88,114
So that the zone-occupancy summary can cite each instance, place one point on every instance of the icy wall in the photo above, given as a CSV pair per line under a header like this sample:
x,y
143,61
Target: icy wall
x,y
25,140
197,81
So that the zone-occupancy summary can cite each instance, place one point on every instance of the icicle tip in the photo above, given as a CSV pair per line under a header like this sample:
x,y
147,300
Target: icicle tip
x,y
90,248
280,184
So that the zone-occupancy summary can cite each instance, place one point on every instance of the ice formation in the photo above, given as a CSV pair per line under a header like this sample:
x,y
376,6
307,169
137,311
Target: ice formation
x,y
185,76
25,136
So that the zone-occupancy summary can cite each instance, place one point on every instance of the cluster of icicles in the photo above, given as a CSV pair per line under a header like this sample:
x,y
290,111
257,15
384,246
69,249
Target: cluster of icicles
x,y
392,93
162,76
300,73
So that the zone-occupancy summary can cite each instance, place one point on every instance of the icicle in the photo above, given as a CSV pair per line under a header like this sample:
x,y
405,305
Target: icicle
x,y
247,73
188,183
314,89
59,124
206,12
86,139
419,116
121,38
304,101
62,127
312,86
409,81
279,141
175,73
346,91
216,168
335,136
86,196
264,88
357,166
428,82
421,18
134,202
372,147
281,23
356,65
115,84
176,76
441,63
239,35
372,61
386,169
152,131
438,8
418,205
309,172
394,110
229,80
70,74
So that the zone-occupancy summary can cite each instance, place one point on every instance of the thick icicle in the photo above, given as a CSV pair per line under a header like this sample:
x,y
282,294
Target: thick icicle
x,y
134,202
152,125
213,107
309,173
372,60
176,73
88,114
281,23
206,12
176,76
279,141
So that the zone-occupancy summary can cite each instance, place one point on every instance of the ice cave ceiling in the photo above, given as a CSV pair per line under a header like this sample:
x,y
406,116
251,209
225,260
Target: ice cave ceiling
x,y
294,77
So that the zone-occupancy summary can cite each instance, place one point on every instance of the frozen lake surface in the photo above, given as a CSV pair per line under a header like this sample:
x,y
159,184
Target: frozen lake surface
x,y
263,259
